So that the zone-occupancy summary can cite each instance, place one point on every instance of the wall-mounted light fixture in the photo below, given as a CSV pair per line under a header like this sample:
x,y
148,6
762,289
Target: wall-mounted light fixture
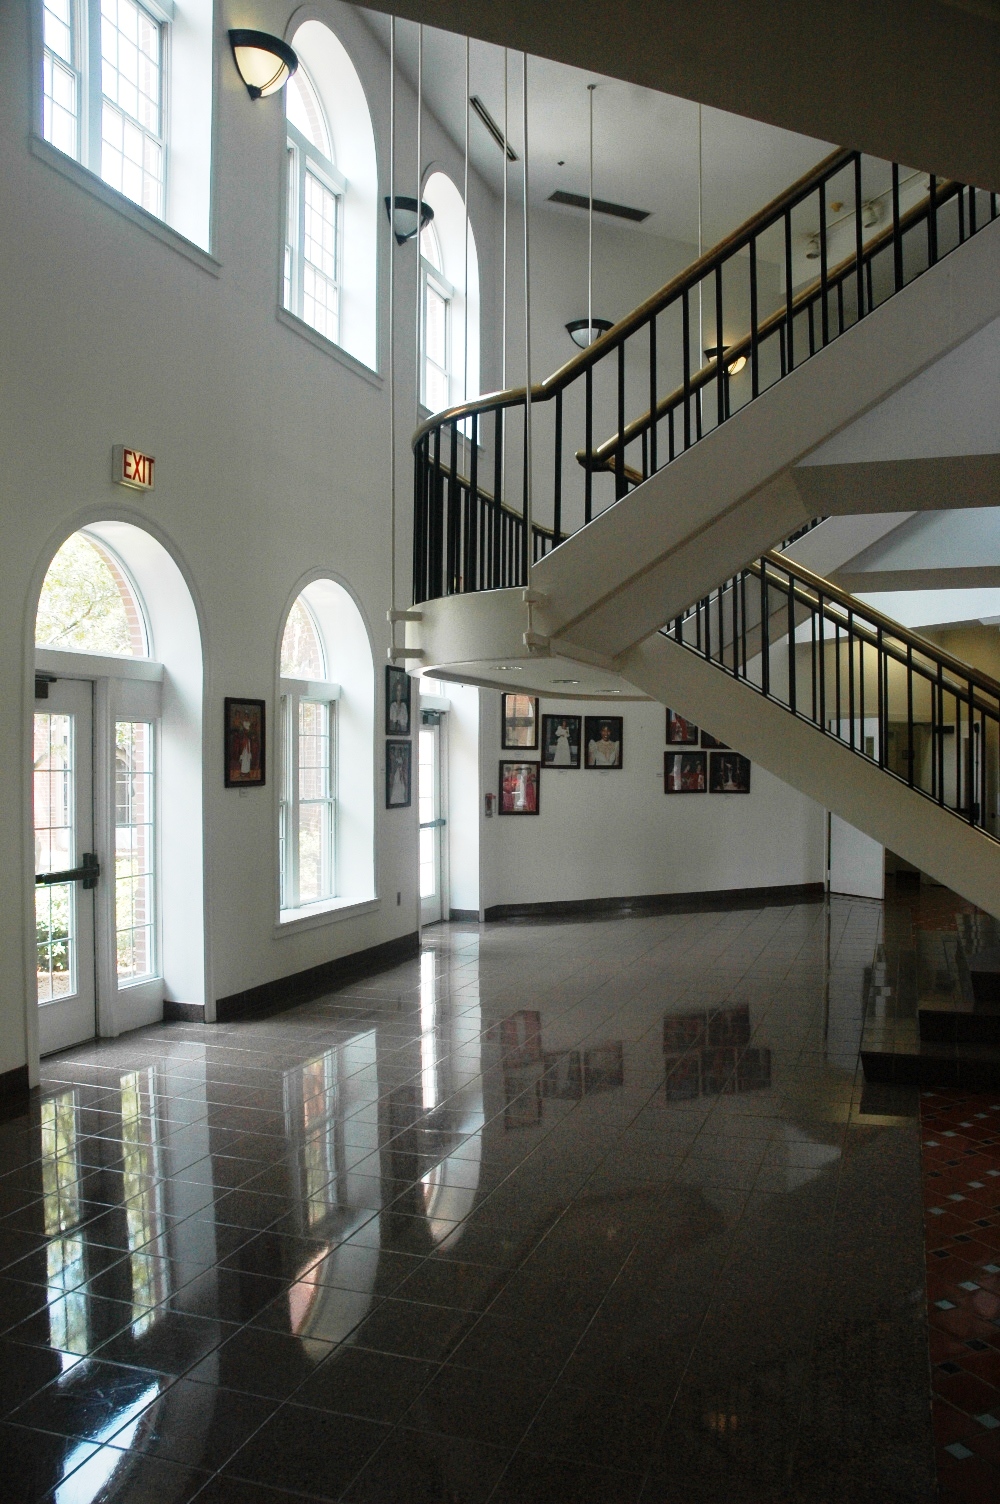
x,y
583,332
264,63
712,353
402,215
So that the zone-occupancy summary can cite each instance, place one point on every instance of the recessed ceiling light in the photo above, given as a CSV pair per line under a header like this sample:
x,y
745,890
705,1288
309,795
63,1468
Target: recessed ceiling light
x,y
565,681
510,668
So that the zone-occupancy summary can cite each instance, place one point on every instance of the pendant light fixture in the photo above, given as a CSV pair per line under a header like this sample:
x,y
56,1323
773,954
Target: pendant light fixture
x,y
264,63
712,353
583,332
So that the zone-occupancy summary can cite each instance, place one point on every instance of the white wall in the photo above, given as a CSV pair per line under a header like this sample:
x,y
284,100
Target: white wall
x,y
613,834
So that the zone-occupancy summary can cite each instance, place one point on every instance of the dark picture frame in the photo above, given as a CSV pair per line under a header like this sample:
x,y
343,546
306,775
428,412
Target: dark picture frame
x,y
519,723
398,701
728,773
680,731
520,788
685,772
398,774
707,740
596,745
561,741
245,745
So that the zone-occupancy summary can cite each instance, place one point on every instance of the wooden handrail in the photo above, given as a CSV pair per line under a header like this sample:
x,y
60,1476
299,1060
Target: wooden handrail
x,y
689,277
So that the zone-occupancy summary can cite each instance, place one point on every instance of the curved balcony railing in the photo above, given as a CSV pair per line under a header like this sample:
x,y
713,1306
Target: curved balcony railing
x,y
891,696
651,386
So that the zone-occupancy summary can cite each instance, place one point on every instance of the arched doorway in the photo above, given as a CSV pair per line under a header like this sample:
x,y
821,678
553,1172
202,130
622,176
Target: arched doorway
x,y
116,747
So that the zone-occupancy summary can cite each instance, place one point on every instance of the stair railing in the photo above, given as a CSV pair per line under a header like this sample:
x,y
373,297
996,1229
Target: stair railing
x,y
647,381
888,694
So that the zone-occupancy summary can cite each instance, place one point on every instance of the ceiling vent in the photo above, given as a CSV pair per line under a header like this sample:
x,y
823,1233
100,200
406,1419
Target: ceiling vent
x,y
601,206
491,126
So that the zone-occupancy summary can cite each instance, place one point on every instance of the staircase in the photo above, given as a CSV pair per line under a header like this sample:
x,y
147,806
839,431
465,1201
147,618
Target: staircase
x,y
545,554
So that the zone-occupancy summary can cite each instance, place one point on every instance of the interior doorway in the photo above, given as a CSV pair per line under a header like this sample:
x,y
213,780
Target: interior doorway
x,y
433,820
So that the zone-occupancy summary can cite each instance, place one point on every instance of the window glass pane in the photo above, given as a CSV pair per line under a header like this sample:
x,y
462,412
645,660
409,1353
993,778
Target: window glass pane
x,y
305,112
131,151
87,603
320,298
301,649
60,108
437,387
315,844
55,906
430,247
134,805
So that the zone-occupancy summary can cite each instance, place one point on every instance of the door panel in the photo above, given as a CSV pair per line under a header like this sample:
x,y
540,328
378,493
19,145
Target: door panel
x,y
64,835
431,822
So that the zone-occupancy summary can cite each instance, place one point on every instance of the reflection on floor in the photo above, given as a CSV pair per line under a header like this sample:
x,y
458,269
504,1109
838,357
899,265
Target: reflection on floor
x,y
557,1212
961,1153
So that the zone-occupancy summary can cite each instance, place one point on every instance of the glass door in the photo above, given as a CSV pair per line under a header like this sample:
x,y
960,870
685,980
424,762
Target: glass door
x,y
66,870
432,822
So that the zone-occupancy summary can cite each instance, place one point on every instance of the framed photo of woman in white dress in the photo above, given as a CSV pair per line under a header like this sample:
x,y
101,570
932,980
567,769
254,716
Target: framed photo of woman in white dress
x,y
519,788
602,737
397,775
397,701
561,741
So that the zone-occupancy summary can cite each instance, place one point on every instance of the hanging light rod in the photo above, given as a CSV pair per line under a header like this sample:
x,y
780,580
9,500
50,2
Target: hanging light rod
x,y
401,213
712,353
492,127
583,332
264,63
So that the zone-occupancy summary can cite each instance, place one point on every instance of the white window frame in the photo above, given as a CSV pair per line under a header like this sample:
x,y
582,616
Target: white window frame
x,y
302,158
293,692
430,277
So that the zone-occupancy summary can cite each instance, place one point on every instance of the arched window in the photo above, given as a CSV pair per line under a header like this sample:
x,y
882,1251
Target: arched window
x,y
331,225
88,603
449,289
325,808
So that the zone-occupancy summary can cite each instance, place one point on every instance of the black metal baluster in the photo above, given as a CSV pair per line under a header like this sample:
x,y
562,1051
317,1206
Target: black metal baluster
x,y
621,484
859,239
932,244
652,396
754,349
473,576
557,491
850,681
823,266
743,617
789,291
822,662
453,512
881,708
524,539
496,516
588,444
686,328
720,378
910,748
765,661
791,645
897,239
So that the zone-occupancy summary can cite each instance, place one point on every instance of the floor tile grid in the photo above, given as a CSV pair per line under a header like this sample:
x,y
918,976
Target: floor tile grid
x,y
961,1163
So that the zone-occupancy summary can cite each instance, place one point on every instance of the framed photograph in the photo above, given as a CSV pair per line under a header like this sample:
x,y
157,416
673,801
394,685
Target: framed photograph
x,y
561,741
519,724
398,713
397,775
684,772
728,773
519,788
602,737
708,740
563,1078
680,732
603,1067
684,1031
245,764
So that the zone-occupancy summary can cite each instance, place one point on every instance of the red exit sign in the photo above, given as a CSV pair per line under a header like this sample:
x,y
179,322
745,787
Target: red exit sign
x,y
132,468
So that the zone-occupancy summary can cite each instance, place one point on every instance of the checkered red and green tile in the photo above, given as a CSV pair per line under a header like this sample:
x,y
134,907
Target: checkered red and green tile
x,y
960,1133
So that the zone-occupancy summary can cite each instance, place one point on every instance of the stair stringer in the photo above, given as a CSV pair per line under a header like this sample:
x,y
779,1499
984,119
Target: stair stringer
x,y
933,839
735,494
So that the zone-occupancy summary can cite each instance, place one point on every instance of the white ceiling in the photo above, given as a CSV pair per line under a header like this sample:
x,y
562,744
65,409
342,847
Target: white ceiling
x,y
645,143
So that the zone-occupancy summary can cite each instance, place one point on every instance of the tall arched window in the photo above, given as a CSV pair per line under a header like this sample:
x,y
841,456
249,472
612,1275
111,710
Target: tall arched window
x,y
88,603
449,291
331,224
325,809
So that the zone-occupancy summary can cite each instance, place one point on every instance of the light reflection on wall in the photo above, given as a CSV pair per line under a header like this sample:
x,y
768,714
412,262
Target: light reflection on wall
x,y
142,1190
65,1269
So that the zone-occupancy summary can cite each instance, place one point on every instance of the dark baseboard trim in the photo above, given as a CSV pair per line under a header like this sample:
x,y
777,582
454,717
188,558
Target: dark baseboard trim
x,y
14,1091
303,986
467,916
664,903
186,1013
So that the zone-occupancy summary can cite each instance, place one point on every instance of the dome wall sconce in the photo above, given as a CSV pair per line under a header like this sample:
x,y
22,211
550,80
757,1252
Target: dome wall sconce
x,y
583,332
712,353
401,213
264,63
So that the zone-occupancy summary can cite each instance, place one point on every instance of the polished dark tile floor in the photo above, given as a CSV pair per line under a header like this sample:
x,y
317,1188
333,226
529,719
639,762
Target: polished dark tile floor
x,y
556,1212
